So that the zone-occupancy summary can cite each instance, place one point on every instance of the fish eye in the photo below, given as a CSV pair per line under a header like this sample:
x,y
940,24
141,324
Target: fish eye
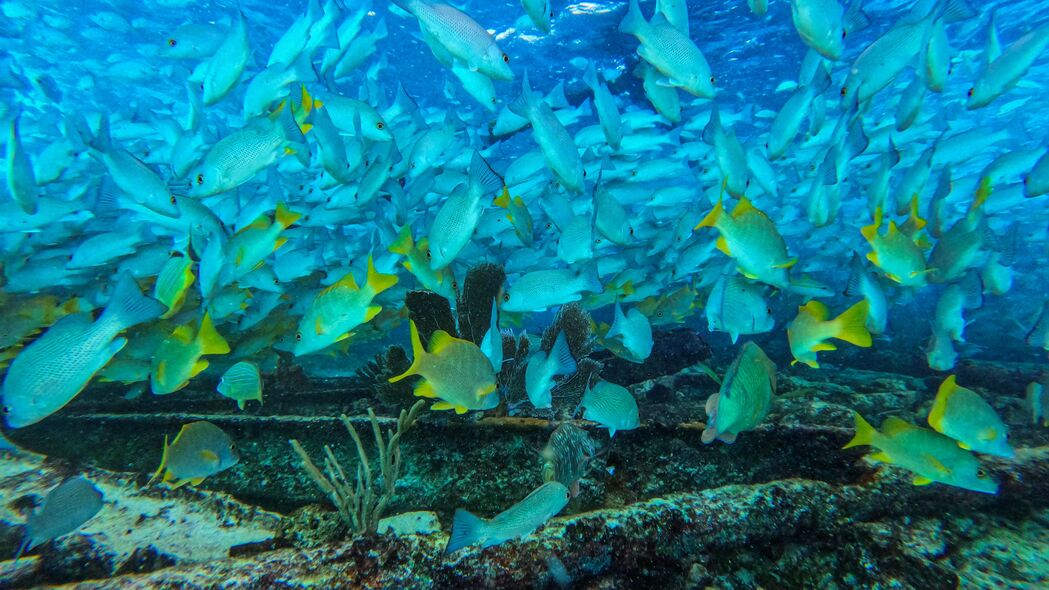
x,y
843,34
713,80
506,58
548,225
428,256
7,410
631,231
173,200
276,281
380,125
844,90
172,42
506,297
659,313
981,473
200,179
971,90
493,100
298,336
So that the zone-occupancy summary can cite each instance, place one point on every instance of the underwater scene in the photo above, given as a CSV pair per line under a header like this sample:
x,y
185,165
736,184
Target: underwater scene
x,y
673,294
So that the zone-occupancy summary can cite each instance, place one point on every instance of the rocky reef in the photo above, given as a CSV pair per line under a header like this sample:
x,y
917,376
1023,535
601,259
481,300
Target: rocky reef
x,y
783,507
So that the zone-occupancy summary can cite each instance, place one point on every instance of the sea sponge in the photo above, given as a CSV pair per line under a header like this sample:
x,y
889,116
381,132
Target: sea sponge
x,y
575,322
483,285
430,312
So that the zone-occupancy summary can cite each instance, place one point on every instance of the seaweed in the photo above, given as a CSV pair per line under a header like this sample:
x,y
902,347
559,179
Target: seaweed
x,y
483,284
362,500
430,312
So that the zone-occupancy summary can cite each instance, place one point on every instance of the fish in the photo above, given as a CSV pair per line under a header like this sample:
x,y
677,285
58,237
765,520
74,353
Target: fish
x,y
809,331
749,237
173,282
66,508
542,289
555,142
865,284
453,370
1005,72
1037,401
670,51
939,352
898,255
492,341
610,405
632,334
541,369
453,35
21,178
737,307
200,450
417,261
567,456
339,309
745,396
178,358
458,217
241,382
819,24
518,215
1038,335
540,12
224,68
929,455
50,371
519,520
966,417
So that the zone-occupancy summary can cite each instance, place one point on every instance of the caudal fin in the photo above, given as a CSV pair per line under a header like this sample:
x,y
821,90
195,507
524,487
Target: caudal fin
x,y
467,529
711,218
633,21
865,433
211,341
129,307
566,365
378,282
418,353
284,216
851,325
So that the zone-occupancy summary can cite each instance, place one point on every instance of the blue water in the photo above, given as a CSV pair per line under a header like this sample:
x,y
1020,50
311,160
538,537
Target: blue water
x,y
69,73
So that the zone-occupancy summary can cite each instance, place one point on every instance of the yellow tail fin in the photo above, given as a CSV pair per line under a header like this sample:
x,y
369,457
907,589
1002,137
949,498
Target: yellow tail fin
x,y
417,355
865,433
211,342
869,231
712,218
403,244
379,282
939,405
163,462
851,325
284,216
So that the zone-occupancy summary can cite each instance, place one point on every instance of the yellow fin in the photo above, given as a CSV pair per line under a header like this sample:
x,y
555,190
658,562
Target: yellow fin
x,y
417,353
880,456
851,325
743,206
722,244
711,219
285,217
403,244
871,231
916,219
208,455
371,312
183,334
211,342
988,434
461,409
198,368
920,480
786,264
503,200
163,461
442,406
865,433
425,389
965,446
937,465
894,425
439,341
939,405
162,371
379,282
816,309
824,347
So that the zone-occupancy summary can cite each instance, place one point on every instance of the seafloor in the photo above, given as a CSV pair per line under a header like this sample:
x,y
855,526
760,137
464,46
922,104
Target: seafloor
x,y
784,507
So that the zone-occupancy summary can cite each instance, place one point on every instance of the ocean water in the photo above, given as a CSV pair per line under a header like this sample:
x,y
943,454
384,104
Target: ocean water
x,y
347,294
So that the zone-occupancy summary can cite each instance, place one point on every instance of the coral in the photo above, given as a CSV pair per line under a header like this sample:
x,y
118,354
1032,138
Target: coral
x,y
483,284
430,312
575,322
568,393
358,503
512,378
376,374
